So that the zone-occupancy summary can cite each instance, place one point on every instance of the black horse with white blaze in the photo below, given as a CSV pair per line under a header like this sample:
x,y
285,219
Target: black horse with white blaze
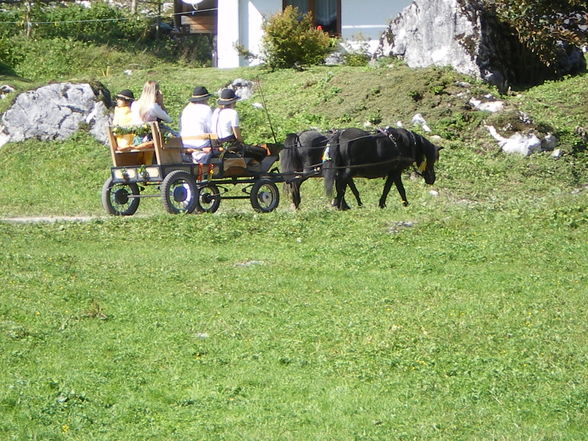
x,y
357,153
302,158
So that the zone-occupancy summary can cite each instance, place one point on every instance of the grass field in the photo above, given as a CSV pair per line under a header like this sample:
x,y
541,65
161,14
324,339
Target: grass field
x,y
460,317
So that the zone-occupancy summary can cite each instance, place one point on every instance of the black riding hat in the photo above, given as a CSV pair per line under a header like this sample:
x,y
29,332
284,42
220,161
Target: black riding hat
x,y
126,95
227,96
199,94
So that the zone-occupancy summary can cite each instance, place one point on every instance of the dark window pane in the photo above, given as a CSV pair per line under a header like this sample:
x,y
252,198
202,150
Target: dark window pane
x,y
325,15
302,5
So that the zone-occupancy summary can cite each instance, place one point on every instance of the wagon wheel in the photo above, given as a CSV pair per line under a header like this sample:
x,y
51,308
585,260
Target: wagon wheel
x,y
265,196
207,198
120,199
178,192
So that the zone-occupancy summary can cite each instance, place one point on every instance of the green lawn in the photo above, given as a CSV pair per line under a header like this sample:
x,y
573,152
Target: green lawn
x,y
469,324
460,317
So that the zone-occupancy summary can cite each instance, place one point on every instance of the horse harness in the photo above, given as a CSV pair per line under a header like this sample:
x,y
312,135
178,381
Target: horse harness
x,y
423,165
381,132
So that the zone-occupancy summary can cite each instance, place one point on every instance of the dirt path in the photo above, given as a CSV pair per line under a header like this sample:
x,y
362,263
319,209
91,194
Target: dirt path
x,y
47,219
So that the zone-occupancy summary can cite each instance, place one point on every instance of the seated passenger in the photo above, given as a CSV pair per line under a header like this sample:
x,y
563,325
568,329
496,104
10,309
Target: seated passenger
x,y
225,123
149,107
122,111
195,127
123,118
225,119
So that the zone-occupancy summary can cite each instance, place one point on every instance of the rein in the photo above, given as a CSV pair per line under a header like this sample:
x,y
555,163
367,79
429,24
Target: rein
x,y
342,167
418,171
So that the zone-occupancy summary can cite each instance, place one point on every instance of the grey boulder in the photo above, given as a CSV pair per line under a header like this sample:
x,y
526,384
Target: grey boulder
x,y
57,111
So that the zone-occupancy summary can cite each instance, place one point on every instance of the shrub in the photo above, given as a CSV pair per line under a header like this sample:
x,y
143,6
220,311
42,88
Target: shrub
x,y
290,40
68,36
49,58
357,51
100,24
539,24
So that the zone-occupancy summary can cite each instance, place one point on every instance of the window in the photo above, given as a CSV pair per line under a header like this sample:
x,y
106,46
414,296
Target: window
x,y
325,13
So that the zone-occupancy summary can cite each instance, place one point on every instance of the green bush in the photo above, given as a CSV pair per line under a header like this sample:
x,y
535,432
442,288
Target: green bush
x,y
8,55
65,38
355,59
290,40
49,58
100,24
540,24
193,49
55,58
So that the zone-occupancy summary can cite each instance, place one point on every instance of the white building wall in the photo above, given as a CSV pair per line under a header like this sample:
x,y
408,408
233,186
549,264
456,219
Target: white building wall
x,y
258,11
228,33
241,20
357,18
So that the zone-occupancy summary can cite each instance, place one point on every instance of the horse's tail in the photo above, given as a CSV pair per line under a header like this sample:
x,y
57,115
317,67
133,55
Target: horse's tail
x,y
329,168
329,175
290,163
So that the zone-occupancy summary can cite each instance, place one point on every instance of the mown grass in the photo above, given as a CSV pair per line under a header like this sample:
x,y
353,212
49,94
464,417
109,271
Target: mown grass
x,y
459,317
318,325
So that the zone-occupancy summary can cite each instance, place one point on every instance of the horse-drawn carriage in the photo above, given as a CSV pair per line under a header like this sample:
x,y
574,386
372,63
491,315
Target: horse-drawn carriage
x,y
186,187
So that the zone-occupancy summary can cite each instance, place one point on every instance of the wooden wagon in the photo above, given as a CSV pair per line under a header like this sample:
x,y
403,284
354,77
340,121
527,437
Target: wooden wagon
x,y
185,187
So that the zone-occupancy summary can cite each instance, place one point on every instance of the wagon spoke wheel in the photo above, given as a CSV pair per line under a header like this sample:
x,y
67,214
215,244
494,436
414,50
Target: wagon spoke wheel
x,y
207,198
265,196
120,199
178,192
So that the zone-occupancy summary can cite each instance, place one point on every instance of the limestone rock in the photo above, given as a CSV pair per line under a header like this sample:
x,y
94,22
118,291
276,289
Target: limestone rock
x,y
243,88
465,35
56,111
518,143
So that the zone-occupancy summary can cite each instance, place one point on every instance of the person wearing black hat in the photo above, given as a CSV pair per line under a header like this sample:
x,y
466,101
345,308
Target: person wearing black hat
x,y
122,111
225,119
195,127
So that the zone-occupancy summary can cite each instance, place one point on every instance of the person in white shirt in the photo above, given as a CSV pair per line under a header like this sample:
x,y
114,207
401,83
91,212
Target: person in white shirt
x,y
149,107
225,123
195,127
225,119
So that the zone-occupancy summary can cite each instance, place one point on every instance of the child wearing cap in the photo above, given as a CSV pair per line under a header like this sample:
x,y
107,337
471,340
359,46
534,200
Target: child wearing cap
x,y
123,117
122,111
225,123
225,119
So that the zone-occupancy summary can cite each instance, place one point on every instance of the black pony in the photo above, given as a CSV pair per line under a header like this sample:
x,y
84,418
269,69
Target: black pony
x,y
302,158
355,152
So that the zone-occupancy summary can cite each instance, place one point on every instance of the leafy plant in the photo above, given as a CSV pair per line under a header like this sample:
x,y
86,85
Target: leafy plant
x,y
356,51
540,24
141,130
290,40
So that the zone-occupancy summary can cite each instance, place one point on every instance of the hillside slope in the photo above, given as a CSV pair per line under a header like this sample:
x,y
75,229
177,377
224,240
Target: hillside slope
x,y
462,316
329,97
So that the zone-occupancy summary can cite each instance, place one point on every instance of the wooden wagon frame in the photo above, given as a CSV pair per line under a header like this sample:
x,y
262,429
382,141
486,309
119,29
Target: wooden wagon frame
x,y
185,187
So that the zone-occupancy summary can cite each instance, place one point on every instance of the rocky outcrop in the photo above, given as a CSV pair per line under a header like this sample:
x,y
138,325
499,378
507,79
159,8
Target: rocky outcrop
x,y
57,111
243,88
467,36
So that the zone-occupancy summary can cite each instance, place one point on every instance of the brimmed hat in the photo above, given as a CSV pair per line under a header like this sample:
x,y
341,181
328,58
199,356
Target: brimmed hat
x,y
126,95
227,96
199,94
